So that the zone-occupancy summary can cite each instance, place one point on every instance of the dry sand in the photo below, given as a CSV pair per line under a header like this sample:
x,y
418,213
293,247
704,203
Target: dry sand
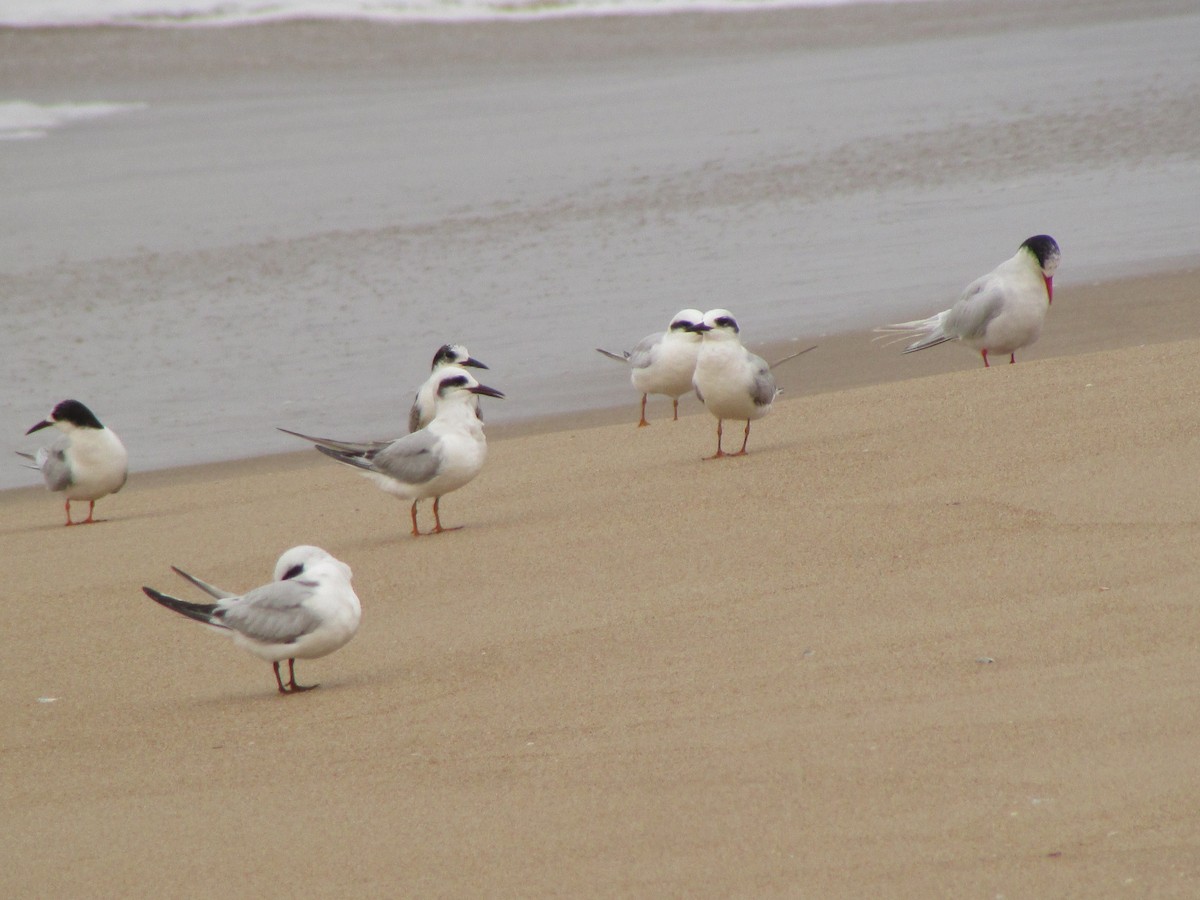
x,y
933,637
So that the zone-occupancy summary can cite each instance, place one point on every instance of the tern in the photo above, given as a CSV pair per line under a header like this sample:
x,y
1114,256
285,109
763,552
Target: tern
x,y
86,462
1001,312
307,611
732,382
664,362
430,462
424,405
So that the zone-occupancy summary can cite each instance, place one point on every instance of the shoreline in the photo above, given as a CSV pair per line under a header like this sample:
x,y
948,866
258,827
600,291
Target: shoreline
x,y
1083,319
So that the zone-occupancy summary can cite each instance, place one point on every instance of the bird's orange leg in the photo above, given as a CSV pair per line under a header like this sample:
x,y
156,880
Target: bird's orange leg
x,y
719,452
745,438
437,521
675,402
643,423
294,688
91,509
985,362
68,508
413,512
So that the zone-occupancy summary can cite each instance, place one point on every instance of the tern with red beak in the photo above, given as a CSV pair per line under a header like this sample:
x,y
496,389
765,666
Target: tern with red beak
x,y
1000,313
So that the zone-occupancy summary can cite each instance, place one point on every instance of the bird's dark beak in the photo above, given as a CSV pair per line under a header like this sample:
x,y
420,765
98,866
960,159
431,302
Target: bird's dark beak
x,y
699,329
1049,279
473,362
486,391
45,423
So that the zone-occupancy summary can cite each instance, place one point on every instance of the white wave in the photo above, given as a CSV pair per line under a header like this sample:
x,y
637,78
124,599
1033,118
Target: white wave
x,y
20,120
57,13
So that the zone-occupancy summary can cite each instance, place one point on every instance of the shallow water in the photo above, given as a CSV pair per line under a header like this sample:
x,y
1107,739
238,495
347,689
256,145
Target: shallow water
x,y
290,247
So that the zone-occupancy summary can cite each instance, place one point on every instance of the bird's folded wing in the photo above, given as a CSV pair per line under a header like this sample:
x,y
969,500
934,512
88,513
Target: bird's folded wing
x,y
52,461
763,388
274,613
414,459
982,301
644,354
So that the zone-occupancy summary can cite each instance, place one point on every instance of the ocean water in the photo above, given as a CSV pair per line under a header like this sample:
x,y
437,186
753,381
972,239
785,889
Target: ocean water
x,y
208,239
182,13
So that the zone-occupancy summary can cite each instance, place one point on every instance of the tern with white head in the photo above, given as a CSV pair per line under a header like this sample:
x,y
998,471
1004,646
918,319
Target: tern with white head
x,y
732,382
431,462
664,362
425,404
309,610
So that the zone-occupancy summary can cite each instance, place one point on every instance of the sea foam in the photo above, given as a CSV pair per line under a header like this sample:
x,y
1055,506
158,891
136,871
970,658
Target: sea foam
x,y
21,120
193,13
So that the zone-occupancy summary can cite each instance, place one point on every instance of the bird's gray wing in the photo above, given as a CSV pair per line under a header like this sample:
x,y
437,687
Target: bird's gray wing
x,y
643,354
209,589
274,613
414,418
413,459
52,461
981,302
362,448
763,388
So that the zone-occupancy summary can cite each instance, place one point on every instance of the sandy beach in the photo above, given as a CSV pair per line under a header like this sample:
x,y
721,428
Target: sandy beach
x,y
933,637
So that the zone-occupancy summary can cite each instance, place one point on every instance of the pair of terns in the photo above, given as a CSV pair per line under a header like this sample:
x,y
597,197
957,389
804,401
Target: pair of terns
x,y
703,352
999,313
445,447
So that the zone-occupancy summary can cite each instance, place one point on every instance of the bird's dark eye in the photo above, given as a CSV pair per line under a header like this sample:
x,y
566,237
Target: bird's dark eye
x,y
293,571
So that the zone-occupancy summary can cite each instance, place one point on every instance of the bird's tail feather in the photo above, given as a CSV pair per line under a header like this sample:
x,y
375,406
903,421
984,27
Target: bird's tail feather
x,y
927,331
780,362
619,357
209,589
201,612
350,459
359,448
28,456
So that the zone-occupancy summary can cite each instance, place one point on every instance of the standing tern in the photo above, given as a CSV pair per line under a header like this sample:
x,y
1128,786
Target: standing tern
x,y
430,462
663,362
307,611
87,462
732,382
1001,312
424,405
